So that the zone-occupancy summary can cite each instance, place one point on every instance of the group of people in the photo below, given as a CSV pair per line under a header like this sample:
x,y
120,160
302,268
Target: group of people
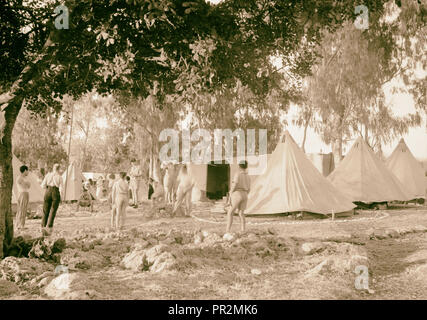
x,y
176,190
52,183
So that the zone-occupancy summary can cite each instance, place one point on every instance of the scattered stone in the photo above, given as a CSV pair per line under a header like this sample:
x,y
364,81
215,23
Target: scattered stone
x,y
419,229
309,248
168,241
402,230
261,245
380,234
8,288
47,249
228,237
256,272
344,248
198,238
21,270
212,239
392,233
77,259
370,233
142,245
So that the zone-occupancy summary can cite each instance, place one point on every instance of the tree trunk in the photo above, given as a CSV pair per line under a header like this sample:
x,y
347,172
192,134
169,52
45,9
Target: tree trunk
x,y
305,136
337,151
6,175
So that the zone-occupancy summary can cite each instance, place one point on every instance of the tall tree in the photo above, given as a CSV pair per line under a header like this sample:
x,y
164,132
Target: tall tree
x,y
346,88
127,45
37,140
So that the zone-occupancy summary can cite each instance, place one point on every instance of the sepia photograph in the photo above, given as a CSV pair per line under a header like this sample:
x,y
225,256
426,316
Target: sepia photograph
x,y
213,157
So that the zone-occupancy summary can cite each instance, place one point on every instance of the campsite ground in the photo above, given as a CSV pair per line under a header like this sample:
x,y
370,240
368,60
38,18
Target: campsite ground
x,y
273,266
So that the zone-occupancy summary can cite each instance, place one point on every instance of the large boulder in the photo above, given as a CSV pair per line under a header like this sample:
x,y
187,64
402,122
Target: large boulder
x,y
163,261
70,286
136,261
154,259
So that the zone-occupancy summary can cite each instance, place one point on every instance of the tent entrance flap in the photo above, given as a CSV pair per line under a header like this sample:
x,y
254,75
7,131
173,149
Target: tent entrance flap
x,y
218,180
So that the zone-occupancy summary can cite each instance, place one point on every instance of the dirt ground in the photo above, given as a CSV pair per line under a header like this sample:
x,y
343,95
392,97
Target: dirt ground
x,y
266,263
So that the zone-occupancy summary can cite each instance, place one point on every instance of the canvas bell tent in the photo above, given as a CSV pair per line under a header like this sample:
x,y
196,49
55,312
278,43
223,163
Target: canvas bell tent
x,y
408,170
36,191
291,183
363,177
72,179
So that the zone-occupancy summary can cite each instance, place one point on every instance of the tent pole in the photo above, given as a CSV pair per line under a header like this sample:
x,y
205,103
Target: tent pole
x,y
69,149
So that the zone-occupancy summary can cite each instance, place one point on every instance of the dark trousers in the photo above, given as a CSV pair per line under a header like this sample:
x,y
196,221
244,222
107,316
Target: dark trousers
x,y
52,198
150,191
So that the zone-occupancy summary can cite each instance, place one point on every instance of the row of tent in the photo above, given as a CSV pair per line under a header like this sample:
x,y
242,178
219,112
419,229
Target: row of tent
x,y
291,182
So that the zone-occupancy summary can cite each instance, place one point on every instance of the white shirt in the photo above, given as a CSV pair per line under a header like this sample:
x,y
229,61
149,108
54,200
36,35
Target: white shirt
x,y
52,179
23,184
135,172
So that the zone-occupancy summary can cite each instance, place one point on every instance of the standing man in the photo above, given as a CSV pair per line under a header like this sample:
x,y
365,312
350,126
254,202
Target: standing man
x,y
111,181
135,177
23,185
52,197
183,194
240,187
120,196
168,183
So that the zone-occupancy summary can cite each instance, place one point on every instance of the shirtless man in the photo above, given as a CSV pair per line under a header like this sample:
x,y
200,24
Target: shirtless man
x,y
169,181
120,196
185,186
238,198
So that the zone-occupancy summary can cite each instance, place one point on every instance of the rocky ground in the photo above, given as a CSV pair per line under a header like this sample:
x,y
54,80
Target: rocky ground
x,y
159,257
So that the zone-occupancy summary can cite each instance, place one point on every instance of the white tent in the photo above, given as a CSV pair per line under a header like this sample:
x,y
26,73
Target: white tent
x,y
36,191
408,170
73,180
364,177
291,183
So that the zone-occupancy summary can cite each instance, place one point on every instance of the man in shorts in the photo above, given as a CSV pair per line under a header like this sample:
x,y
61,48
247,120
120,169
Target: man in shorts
x,y
240,188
